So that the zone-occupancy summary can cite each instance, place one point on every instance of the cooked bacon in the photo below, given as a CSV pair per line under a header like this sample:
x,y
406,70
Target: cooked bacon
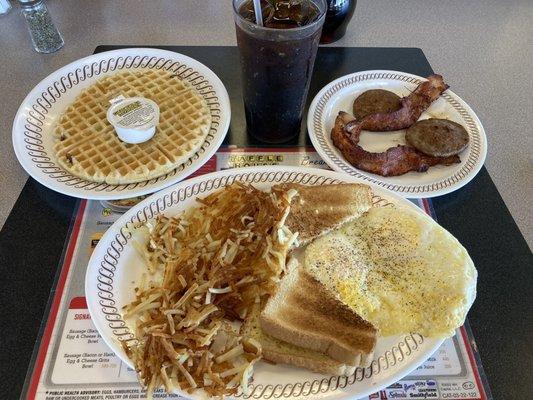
x,y
392,162
412,107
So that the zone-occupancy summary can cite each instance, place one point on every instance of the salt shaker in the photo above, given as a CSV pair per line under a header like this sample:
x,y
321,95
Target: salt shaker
x,y
44,35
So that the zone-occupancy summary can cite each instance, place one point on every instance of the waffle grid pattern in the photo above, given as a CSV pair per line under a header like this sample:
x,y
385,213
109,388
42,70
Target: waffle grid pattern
x,y
88,147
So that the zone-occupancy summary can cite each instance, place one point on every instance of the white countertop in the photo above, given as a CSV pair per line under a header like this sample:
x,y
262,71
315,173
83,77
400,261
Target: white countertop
x,y
484,49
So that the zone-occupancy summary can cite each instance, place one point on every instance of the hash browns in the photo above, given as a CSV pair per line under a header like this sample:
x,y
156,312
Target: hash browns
x,y
205,269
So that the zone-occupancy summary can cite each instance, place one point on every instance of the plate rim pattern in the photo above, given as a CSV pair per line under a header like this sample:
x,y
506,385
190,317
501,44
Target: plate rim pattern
x,y
472,165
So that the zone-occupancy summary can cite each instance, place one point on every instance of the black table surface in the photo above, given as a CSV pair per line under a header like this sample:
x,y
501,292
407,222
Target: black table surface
x,y
33,237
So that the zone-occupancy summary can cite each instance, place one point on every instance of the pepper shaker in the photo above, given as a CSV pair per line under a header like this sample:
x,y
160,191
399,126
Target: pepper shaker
x,y
44,35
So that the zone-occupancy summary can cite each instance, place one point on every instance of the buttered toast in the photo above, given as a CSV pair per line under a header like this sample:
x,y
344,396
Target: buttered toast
x,y
305,313
278,351
317,210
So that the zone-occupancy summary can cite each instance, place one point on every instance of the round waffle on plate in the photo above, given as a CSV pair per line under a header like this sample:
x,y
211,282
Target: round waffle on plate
x,y
87,145
63,139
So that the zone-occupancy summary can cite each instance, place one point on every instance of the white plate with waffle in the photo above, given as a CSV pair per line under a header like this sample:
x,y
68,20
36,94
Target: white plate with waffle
x,y
63,140
113,271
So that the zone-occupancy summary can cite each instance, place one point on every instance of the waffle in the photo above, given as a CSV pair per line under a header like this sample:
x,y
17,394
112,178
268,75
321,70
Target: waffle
x,y
88,147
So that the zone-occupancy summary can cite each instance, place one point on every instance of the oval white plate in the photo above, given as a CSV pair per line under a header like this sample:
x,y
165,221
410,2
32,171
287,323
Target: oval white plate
x,y
438,180
115,266
38,113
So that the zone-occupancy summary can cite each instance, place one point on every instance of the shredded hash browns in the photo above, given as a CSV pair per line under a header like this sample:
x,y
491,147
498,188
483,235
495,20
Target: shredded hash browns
x,y
205,269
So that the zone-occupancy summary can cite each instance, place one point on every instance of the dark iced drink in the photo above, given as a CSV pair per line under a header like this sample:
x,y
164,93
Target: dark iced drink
x,y
277,62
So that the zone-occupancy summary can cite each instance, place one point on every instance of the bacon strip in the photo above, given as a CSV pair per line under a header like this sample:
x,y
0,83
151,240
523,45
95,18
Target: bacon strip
x,y
395,161
412,107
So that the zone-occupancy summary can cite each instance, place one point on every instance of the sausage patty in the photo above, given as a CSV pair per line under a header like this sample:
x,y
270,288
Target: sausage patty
x,y
375,101
437,137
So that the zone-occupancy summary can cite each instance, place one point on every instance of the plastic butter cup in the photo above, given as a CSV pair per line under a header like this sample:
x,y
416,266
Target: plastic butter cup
x,y
134,118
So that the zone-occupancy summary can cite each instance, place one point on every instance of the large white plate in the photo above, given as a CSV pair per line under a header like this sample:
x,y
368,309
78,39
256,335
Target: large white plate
x,y
115,266
438,180
38,113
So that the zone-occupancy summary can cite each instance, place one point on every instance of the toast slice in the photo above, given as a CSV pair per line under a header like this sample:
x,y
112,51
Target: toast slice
x,y
316,210
278,351
306,314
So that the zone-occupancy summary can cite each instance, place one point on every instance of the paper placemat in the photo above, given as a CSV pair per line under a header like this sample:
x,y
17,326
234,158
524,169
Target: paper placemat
x,y
72,361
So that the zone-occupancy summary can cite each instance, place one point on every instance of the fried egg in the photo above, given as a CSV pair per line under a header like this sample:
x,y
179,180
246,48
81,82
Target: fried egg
x,y
399,270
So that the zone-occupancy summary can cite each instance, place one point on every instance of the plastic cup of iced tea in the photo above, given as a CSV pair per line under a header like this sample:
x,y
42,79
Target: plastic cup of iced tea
x,y
277,63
